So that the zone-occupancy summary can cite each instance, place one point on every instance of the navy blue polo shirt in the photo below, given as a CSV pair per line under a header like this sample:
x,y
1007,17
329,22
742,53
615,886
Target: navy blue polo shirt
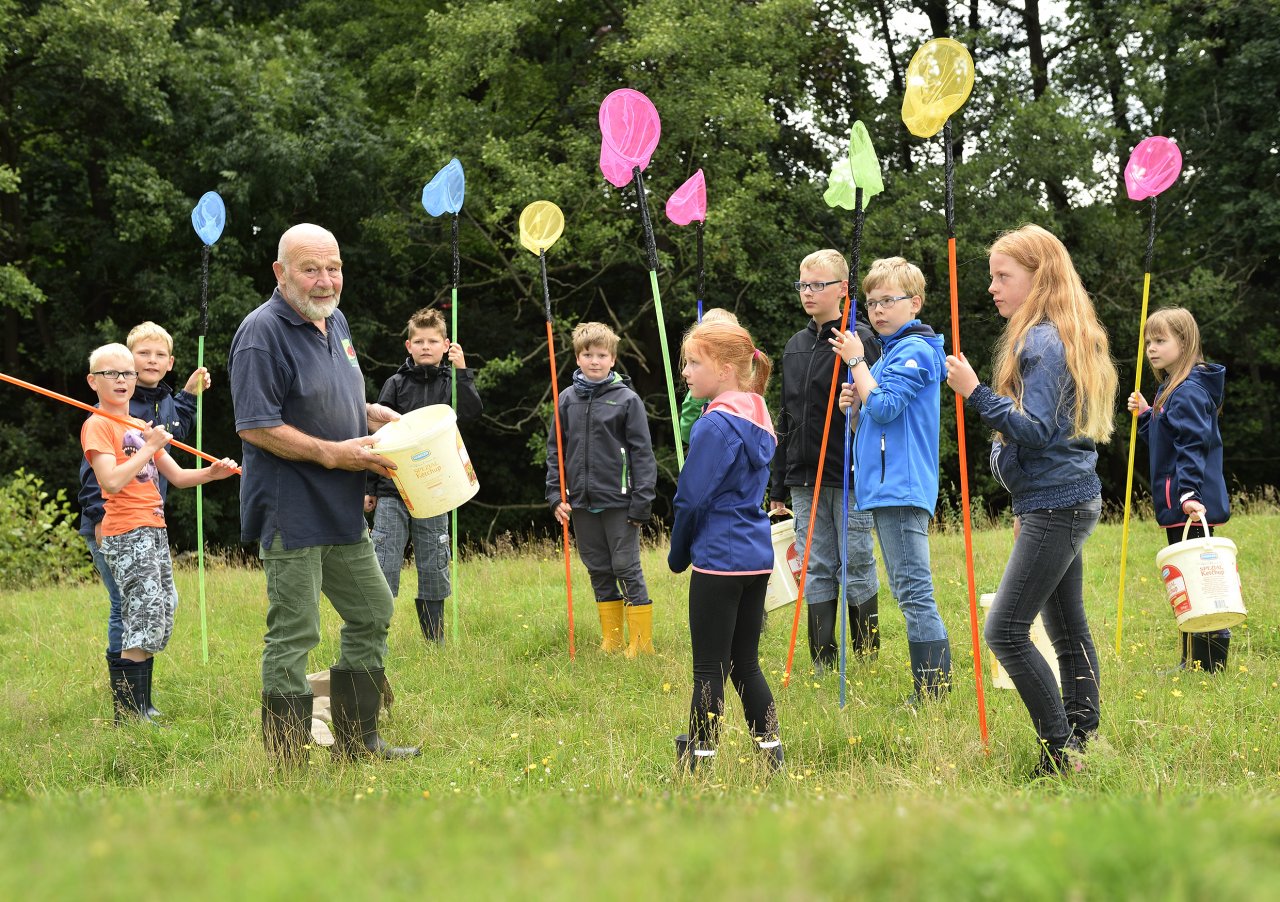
x,y
285,371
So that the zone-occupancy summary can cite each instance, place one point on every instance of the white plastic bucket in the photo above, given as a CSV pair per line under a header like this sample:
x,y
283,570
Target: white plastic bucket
x,y
1039,638
433,471
784,582
1202,582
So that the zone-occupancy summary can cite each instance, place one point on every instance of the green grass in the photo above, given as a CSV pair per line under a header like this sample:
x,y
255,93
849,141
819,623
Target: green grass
x,y
549,778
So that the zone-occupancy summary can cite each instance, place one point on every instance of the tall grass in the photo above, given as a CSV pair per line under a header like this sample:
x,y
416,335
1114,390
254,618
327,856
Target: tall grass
x,y
547,777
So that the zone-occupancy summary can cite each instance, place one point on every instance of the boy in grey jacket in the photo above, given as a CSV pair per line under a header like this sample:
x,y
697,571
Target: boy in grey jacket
x,y
610,481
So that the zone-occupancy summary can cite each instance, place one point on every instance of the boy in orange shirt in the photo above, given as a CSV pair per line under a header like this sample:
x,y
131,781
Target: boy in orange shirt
x,y
128,462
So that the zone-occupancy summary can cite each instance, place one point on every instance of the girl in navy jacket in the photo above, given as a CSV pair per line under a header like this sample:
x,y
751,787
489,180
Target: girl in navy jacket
x,y
721,529
1051,398
1181,431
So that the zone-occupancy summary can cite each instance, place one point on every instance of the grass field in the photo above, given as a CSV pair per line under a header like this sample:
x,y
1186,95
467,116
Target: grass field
x,y
547,778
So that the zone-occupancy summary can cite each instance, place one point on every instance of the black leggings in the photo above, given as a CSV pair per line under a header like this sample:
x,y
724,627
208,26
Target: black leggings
x,y
726,615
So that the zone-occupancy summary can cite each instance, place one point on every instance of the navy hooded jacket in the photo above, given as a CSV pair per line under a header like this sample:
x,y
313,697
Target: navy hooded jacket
x,y
721,527
1186,448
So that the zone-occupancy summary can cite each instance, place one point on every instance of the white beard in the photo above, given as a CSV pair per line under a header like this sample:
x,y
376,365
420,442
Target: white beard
x,y
315,310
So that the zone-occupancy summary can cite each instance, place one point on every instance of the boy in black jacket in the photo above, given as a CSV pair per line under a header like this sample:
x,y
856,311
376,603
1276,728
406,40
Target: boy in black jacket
x,y
611,477
807,366
422,380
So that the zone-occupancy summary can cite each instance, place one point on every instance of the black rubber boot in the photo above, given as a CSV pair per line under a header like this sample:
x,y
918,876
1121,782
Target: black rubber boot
x,y
864,619
770,746
286,727
822,635
431,619
1209,651
1063,762
152,711
130,682
930,669
691,755
355,696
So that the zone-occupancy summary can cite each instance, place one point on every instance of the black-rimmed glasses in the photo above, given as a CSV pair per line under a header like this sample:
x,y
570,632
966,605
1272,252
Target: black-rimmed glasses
x,y
113,375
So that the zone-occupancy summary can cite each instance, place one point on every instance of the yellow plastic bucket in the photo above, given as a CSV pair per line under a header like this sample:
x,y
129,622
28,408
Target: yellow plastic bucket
x,y
784,582
1039,638
433,471
1202,582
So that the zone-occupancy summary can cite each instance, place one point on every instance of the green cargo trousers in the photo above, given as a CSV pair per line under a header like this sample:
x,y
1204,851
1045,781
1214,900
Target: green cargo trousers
x,y
351,578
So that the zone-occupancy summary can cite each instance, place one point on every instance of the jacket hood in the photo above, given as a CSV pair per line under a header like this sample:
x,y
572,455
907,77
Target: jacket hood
x,y
746,414
586,388
421,372
919,330
1212,378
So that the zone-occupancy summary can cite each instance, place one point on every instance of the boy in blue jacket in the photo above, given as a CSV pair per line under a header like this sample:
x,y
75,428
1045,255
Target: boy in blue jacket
x,y
896,453
155,403
611,478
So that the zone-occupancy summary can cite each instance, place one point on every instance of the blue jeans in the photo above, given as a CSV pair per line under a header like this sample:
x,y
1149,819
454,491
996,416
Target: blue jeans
x,y
115,624
823,580
1045,575
904,542
392,529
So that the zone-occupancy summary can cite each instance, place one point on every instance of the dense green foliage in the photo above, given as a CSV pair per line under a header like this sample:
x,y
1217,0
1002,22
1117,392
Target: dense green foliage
x,y
543,777
116,115
38,539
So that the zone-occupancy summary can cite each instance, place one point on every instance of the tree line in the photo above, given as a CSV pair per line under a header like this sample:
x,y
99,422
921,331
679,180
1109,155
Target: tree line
x,y
116,115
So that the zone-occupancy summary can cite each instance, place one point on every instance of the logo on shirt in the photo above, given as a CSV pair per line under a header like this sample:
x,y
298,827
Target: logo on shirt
x,y
351,351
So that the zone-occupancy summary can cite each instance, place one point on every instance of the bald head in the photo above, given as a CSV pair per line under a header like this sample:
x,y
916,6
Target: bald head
x,y
308,270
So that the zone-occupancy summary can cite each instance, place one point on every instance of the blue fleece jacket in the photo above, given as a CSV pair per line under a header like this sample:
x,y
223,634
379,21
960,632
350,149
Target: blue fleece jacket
x,y
1039,462
721,527
1186,448
896,445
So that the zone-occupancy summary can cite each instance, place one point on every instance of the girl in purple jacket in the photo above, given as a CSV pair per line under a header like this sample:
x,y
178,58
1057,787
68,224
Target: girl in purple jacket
x,y
722,531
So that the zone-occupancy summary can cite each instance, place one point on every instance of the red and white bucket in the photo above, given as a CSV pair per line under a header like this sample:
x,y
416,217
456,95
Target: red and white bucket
x,y
1202,582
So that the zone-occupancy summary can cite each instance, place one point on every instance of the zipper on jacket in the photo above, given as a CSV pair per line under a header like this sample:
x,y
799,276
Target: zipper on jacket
x,y
882,457
624,470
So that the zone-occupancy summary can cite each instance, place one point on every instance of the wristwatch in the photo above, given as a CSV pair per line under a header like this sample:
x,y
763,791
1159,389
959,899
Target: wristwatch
x,y
857,360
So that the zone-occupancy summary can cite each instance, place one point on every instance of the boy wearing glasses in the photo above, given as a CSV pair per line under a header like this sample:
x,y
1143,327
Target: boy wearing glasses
x,y
807,370
152,402
896,450
128,462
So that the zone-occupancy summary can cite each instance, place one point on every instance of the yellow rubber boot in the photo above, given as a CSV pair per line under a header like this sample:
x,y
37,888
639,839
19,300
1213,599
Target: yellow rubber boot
x,y
610,625
640,629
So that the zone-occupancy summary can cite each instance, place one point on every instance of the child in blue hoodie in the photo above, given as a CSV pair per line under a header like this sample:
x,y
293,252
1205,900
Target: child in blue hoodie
x,y
1181,431
896,454
722,531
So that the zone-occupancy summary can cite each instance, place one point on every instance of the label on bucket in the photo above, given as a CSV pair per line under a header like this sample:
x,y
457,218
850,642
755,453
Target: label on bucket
x,y
793,562
1175,587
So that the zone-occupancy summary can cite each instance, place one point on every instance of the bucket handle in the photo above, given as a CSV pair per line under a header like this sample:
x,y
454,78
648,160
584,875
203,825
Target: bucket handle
x,y
781,512
1186,529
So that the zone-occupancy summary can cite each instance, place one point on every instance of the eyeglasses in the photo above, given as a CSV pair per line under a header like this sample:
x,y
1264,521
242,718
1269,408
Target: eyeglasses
x,y
113,375
814,286
886,303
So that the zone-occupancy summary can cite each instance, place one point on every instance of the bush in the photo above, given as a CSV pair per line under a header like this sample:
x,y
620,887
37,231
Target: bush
x,y
38,539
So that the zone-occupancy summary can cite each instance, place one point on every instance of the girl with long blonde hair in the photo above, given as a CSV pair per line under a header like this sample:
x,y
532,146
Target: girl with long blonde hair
x,y
1050,401
1181,430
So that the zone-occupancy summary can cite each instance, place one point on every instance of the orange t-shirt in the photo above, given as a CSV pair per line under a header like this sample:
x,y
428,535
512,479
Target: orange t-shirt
x,y
138,503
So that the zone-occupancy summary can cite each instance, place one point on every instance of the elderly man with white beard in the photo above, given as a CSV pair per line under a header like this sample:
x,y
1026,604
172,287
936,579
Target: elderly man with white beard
x,y
300,410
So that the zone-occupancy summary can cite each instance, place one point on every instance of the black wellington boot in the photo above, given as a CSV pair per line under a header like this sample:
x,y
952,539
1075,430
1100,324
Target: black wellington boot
x,y
151,709
691,755
286,727
431,619
865,620
355,696
822,635
1209,650
770,746
930,669
130,681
